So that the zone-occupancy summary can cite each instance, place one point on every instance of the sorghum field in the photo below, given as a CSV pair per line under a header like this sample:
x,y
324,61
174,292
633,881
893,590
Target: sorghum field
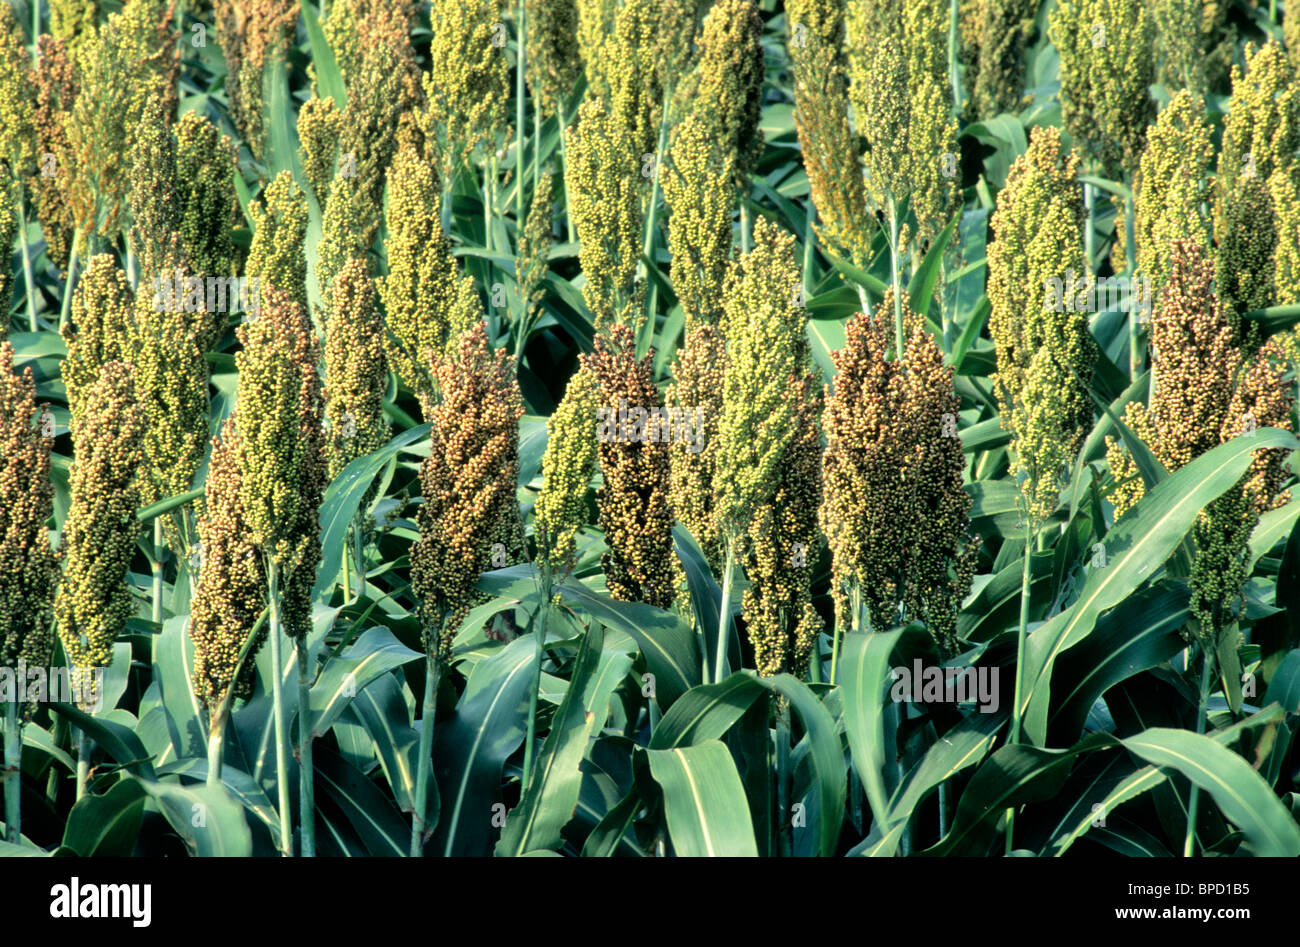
x,y
650,428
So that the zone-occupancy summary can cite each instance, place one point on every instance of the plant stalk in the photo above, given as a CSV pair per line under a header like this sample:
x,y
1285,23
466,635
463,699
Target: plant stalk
x,y
522,47
217,743
1134,312
155,566
1194,797
306,771
1020,660
27,265
432,673
724,612
13,771
277,700
69,282
543,614
785,828
83,763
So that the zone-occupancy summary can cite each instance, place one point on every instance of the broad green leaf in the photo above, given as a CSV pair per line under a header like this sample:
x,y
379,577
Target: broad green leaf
x,y
327,68
376,652
372,814
343,498
552,793
1135,548
106,825
207,819
671,650
704,801
471,749
1241,793
117,740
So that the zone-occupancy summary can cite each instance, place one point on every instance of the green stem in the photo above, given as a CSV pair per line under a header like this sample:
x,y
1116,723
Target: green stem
x,y
306,771
564,162
1134,353
785,829
69,281
277,702
83,763
1194,798
347,573
432,673
521,48
27,263
155,566
746,226
1020,659
217,742
13,771
543,614
724,612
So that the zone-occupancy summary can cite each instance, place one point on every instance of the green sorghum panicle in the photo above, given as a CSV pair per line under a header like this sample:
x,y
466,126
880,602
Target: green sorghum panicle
x,y
567,468
630,78
28,566
1107,67
634,510
428,304
468,82
1284,188
895,513
878,89
356,369
535,245
132,61
355,27
320,123
1291,34
73,22
1001,30
205,178
17,132
554,52
468,482
279,416
764,327
99,533
1245,232
1045,352
252,32
826,141
1173,187
1263,397
728,91
1180,44
387,88
99,330
1258,164
231,588
154,201
697,389
347,230
1194,340
698,187
276,257
604,184
931,129
595,24
171,383
782,544
8,230
55,84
